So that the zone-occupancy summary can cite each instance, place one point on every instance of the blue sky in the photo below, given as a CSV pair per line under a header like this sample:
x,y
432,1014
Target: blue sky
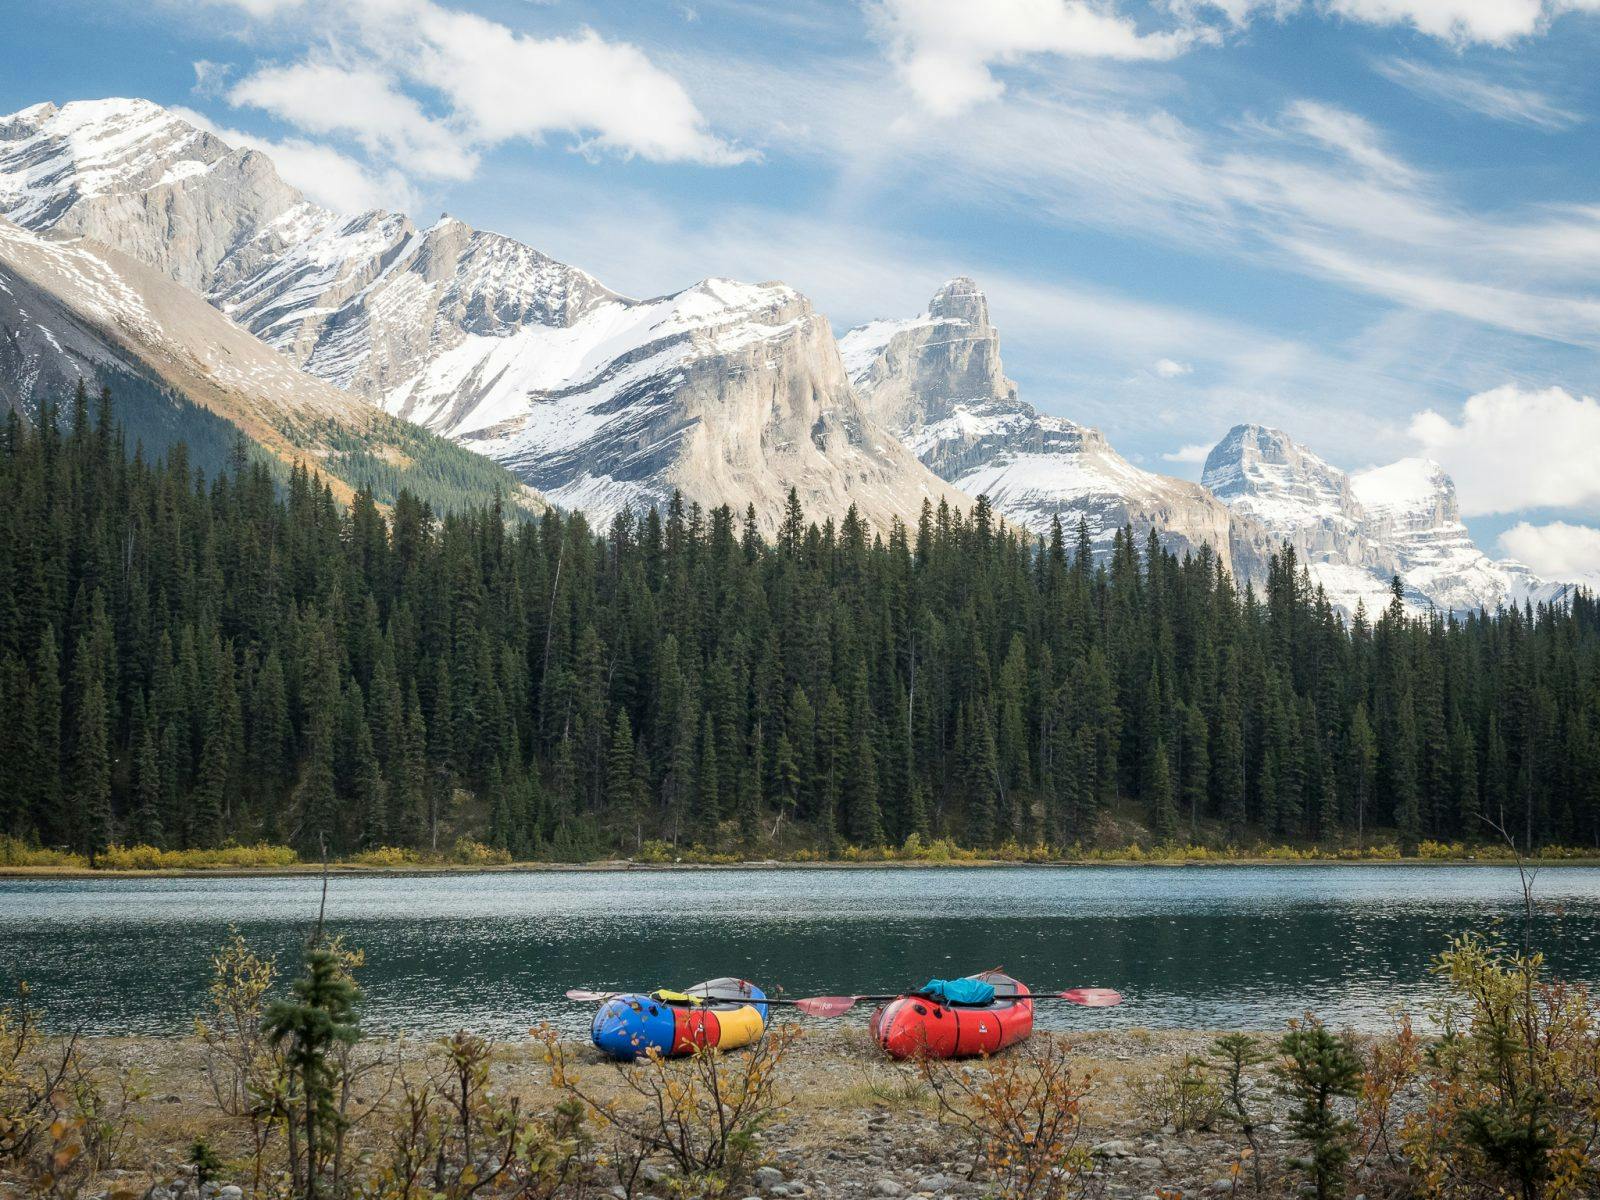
x,y
1373,223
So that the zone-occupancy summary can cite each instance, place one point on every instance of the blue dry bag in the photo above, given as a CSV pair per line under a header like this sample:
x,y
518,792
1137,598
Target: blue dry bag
x,y
958,991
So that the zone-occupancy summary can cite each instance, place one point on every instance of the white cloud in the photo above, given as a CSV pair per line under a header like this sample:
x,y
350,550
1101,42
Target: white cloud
x,y
328,98
326,176
1198,452
1514,449
1522,106
495,85
1559,551
944,49
609,95
1169,369
1492,21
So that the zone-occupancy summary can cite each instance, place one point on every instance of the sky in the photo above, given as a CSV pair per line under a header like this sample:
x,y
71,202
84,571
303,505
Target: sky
x,y
1374,224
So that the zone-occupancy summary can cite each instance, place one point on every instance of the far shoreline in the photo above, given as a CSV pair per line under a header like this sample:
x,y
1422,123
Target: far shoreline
x,y
622,866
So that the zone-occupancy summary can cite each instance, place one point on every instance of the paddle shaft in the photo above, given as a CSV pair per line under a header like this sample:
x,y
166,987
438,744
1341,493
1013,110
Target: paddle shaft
x,y
590,997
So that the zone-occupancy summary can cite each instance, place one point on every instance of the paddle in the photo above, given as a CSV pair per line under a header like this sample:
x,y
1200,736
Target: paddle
x,y
833,1006
582,994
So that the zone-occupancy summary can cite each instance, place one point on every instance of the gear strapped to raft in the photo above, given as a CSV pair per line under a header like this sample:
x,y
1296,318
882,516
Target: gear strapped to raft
x,y
965,993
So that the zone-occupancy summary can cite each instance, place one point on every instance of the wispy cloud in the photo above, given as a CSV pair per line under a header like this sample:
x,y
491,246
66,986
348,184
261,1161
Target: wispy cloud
x,y
1193,454
1472,92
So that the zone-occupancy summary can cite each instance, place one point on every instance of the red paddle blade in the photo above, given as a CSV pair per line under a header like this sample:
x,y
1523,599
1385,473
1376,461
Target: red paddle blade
x,y
1092,997
825,1006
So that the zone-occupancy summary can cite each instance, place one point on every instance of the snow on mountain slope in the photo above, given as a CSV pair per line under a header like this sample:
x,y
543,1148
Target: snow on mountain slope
x,y
937,380
1357,532
730,392
1291,491
134,176
1411,506
71,309
169,328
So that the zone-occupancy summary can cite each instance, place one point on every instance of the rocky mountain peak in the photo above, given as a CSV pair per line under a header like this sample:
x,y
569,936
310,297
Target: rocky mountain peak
x,y
1356,532
922,371
1261,471
960,300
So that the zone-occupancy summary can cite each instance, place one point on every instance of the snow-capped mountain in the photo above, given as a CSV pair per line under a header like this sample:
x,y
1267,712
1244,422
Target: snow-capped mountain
x,y
937,380
730,392
1355,533
75,310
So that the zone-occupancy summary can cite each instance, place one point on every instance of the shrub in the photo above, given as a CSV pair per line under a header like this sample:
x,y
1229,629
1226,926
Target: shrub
x,y
149,858
1513,1085
60,1119
309,1027
16,853
386,856
1390,1070
1232,1057
1319,1069
469,853
245,1071
1023,1116
1183,1094
704,1112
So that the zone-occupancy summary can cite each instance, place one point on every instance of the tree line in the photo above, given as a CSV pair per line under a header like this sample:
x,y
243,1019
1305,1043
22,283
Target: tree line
x,y
190,659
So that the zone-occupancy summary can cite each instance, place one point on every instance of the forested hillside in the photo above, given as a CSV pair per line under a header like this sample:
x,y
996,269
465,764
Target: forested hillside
x,y
188,660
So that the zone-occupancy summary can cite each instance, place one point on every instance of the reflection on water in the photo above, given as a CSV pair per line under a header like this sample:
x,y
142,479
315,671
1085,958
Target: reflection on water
x,y
1192,947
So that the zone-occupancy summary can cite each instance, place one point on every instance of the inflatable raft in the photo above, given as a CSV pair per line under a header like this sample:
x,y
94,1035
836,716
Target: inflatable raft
x,y
914,1024
675,1023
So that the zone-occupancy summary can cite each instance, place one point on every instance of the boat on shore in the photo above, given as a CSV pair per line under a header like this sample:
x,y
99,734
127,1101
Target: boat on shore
x,y
921,1025
724,1014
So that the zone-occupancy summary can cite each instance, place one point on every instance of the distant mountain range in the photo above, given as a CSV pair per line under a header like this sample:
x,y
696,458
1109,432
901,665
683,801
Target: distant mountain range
x,y
135,245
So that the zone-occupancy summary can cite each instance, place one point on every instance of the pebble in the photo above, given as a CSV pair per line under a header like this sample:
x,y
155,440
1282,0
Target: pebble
x,y
887,1187
767,1178
1114,1149
232,1192
934,1183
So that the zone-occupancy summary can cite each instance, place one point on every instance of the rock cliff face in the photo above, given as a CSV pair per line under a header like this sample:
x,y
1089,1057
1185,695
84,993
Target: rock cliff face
x,y
730,392
937,381
1357,532
74,311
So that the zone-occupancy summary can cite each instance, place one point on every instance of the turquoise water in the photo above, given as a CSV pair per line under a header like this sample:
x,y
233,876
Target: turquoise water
x,y
1193,947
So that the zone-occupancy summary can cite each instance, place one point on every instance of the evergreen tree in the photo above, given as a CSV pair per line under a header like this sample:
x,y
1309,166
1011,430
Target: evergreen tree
x,y
385,673
51,817
621,792
145,827
91,759
1163,812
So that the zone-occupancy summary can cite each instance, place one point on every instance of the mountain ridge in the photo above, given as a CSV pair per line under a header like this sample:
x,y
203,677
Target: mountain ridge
x,y
730,393
938,381
74,311
1357,531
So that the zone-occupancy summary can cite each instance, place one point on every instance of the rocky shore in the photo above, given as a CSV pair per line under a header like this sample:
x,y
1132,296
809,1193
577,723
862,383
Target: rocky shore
x,y
853,1124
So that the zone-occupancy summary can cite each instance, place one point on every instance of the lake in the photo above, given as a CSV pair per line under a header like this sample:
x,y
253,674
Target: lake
x,y
1199,947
